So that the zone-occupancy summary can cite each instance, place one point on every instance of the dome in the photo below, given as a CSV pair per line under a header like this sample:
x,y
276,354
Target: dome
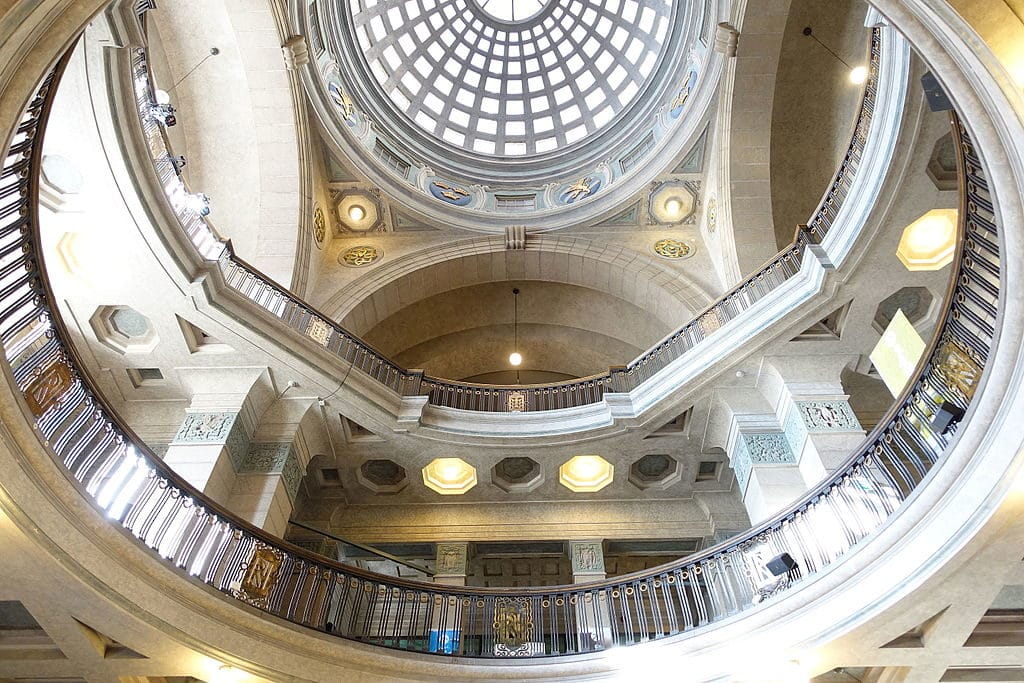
x,y
511,77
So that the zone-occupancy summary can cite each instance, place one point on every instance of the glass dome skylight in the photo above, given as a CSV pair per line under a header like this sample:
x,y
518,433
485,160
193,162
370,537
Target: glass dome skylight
x,y
511,77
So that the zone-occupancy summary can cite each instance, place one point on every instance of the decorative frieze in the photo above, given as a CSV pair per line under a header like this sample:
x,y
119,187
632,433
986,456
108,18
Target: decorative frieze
x,y
766,448
274,458
587,557
818,417
451,559
216,428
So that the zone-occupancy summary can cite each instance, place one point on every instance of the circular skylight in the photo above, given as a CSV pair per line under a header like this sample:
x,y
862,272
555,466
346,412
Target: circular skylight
x,y
512,10
478,77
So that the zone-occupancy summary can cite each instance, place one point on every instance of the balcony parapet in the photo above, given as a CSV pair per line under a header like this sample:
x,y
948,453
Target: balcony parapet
x,y
794,278
135,489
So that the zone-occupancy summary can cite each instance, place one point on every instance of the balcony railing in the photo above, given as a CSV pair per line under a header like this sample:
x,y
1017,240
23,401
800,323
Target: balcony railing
x,y
136,489
303,318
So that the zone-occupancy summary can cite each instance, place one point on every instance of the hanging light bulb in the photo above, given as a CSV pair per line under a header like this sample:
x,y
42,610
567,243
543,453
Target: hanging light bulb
x,y
515,358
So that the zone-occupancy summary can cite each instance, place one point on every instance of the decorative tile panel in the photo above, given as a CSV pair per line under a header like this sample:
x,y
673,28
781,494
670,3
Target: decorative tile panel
x,y
275,458
206,428
587,557
828,416
766,448
451,559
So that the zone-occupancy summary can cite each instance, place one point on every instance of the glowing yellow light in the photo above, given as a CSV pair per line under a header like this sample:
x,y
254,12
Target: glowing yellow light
x,y
928,243
858,75
673,207
515,358
356,212
584,473
897,353
449,476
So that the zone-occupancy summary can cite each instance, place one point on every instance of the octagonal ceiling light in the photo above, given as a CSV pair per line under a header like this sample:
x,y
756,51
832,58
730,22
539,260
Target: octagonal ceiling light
x,y
449,476
928,243
585,473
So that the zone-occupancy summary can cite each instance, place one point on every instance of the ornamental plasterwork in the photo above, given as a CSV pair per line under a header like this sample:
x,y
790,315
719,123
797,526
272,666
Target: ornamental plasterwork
x,y
451,559
587,557
765,448
672,249
319,227
275,458
828,416
360,256
712,215
205,428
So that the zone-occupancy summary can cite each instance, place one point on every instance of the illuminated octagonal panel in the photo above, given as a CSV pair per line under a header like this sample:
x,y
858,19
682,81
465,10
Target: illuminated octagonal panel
x,y
586,473
449,476
928,243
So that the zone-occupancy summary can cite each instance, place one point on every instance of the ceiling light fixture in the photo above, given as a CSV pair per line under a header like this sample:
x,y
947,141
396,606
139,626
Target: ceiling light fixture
x,y
515,359
356,212
858,74
673,207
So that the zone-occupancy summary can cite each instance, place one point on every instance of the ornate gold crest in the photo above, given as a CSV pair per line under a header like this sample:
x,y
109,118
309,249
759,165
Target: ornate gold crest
x,y
319,226
958,368
451,192
516,402
580,189
261,574
48,387
670,248
360,256
513,626
319,331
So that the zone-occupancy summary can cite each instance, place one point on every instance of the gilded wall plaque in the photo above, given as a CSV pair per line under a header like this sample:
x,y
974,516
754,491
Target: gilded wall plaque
x,y
673,249
319,226
319,331
958,368
356,257
513,626
46,389
516,402
261,574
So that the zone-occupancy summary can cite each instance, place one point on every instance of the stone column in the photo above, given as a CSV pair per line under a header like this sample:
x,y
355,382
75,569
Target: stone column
x,y
593,618
207,451
767,472
451,564
822,433
266,485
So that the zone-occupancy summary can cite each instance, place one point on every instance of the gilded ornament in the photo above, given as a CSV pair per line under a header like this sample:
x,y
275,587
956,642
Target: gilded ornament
x,y
513,626
958,368
360,256
47,389
319,331
319,226
670,248
341,100
580,189
516,402
452,193
261,574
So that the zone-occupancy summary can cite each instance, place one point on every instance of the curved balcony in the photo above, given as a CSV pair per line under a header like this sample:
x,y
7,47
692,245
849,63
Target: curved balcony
x,y
794,278
134,489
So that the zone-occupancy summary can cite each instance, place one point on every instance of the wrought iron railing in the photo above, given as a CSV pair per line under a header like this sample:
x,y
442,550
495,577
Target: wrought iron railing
x,y
303,318
136,489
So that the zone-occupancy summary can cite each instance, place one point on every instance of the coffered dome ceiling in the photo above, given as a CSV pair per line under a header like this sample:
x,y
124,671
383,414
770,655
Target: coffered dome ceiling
x,y
511,77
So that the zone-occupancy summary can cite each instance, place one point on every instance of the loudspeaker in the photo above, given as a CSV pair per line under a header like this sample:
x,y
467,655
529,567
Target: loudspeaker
x,y
933,92
946,415
781,564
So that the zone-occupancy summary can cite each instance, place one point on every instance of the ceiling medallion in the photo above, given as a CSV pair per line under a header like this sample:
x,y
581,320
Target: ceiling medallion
x,y
674,249
319,227
360,256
